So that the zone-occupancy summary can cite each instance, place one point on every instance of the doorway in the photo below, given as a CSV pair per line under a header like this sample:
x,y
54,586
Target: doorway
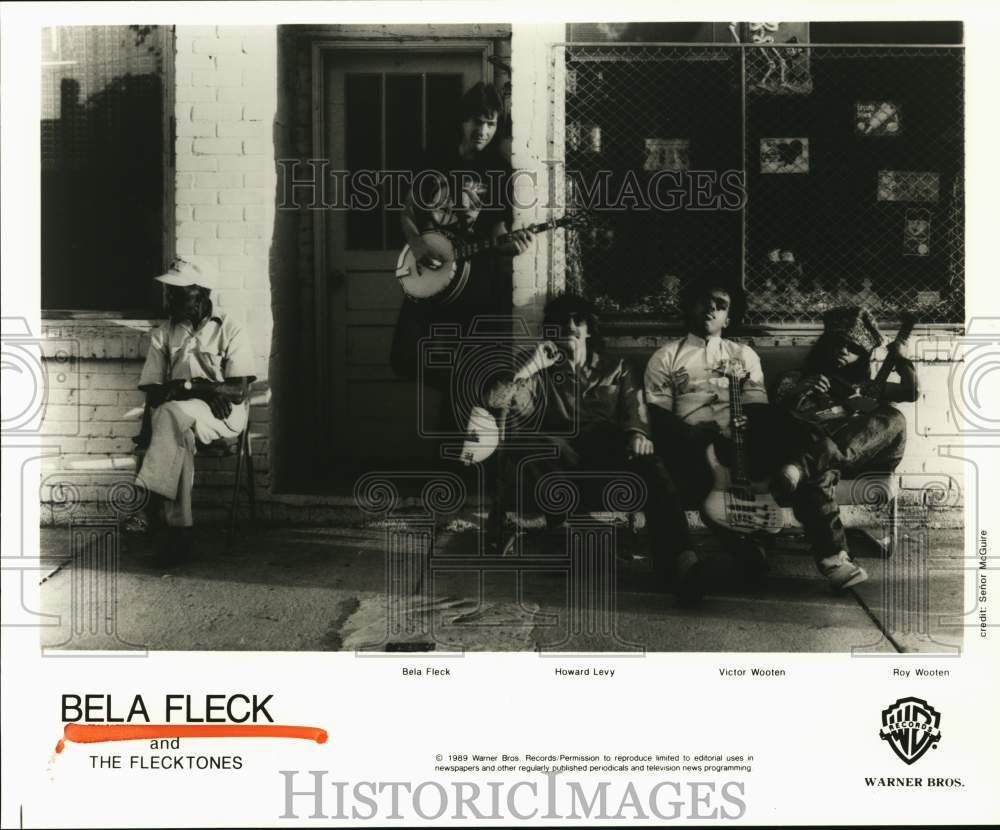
x,y
380,108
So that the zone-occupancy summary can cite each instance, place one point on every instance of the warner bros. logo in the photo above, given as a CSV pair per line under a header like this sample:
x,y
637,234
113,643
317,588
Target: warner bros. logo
x,y
910,726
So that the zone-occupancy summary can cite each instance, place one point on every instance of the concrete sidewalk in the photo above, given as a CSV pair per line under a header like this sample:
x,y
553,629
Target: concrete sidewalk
x,y
319,589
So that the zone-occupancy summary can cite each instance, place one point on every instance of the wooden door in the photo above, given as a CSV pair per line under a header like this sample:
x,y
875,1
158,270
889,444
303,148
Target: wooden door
x,y
381,109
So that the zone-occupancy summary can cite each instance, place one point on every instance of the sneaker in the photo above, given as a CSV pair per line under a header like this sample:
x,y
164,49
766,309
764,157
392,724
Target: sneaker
x,y
841,570
689,579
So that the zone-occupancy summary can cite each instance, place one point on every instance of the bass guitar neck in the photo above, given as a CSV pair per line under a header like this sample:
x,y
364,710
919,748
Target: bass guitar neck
x,y
736,502
874,392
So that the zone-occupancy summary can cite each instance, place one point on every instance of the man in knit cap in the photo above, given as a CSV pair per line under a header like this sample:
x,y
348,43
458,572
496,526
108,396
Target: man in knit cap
x,y
837,368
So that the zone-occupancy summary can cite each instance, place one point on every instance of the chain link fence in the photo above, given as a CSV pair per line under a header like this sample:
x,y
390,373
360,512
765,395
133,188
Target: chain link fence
x,y
820,175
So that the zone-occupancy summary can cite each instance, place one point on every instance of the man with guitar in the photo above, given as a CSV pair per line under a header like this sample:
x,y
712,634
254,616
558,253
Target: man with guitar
x,y
707,429
459,188
835,390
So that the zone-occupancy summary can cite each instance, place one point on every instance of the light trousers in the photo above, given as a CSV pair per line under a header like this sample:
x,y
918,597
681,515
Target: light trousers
x,y
168,466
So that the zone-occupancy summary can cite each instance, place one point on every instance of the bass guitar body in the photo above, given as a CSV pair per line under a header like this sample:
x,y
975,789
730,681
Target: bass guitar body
x,y
743,507
442,284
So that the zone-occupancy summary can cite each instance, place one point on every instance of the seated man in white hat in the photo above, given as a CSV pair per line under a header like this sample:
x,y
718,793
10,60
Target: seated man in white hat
x,y
196,378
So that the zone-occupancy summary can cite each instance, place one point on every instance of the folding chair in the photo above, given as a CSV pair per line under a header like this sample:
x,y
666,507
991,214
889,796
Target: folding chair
x,y
240,446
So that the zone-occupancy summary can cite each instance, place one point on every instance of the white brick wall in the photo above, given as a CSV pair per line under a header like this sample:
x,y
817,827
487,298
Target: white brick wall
x,y
92,413
226,100
532,100
225,104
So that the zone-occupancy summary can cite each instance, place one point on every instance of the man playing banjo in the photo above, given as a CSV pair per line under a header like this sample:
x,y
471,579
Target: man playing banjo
x,y
461,187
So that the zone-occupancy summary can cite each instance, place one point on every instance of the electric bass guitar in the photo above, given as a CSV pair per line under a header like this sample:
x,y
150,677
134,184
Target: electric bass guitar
x,y
736,502
446,282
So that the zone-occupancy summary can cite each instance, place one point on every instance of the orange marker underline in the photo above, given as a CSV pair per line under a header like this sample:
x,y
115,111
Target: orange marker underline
x,y
90,733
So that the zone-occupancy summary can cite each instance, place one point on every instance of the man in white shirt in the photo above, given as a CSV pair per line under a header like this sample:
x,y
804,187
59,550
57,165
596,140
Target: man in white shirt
x,y
689,409
196,378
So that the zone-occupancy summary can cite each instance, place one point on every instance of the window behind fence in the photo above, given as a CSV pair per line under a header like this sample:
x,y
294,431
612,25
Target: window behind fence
x,y
823,175
105,98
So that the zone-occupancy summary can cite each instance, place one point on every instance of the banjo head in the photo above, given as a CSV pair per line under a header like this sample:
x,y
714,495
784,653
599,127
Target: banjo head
x,y
440,244
420,283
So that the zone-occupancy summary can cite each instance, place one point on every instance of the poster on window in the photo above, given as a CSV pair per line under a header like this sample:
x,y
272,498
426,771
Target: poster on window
x,y
667,154
876,118
907,186
779,65
585,137
784,155
917,233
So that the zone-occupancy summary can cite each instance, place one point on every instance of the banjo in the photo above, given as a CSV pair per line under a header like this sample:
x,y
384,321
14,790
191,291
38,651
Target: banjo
x,y
446,282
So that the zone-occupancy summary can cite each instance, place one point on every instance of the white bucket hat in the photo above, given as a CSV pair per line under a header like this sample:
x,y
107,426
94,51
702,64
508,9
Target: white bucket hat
x,y
188,271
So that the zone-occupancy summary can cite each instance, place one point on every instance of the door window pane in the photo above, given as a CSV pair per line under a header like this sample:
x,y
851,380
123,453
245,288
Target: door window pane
x,y
444,92
363,151
420,111
404,127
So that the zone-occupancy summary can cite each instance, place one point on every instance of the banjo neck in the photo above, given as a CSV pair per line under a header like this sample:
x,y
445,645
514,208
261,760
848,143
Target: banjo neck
x,y
445,282
467,250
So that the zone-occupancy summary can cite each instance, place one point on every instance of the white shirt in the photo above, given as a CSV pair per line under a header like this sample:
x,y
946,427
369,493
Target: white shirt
x,y
704,396
217,350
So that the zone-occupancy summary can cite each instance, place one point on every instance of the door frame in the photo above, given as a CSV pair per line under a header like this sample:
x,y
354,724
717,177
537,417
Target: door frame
x,y
320,52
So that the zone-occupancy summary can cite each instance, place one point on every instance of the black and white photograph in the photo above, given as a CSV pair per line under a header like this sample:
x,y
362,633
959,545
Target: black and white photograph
x,y
366,352
375,347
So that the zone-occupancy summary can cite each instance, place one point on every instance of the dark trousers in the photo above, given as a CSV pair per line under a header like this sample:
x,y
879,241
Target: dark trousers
x,y
774,439
871,443
602,451
450,349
